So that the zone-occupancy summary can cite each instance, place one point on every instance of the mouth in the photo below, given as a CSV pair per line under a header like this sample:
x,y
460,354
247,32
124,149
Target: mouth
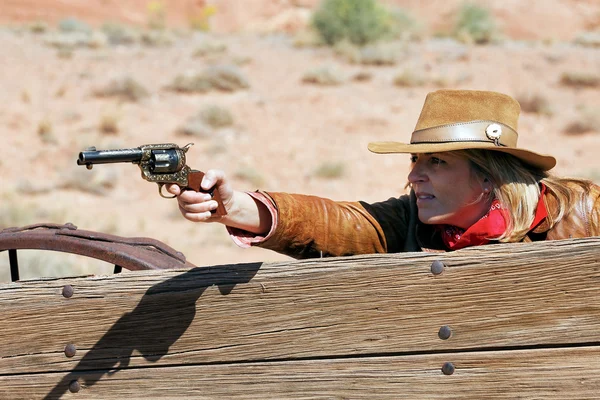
x,y
423,198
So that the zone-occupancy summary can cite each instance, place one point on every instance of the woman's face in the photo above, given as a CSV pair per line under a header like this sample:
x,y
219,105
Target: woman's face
x,y
447,190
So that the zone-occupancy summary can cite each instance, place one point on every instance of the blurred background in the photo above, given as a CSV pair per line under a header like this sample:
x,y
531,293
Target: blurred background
x,y
283,95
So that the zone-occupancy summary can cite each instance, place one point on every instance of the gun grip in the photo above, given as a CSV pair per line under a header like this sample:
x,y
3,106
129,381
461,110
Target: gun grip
x,y
194,181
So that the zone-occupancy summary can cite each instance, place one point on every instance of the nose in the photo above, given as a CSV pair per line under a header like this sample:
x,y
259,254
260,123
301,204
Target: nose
x,y
416,174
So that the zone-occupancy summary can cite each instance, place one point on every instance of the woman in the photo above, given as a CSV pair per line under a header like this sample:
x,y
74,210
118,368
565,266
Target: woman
x,y
470,185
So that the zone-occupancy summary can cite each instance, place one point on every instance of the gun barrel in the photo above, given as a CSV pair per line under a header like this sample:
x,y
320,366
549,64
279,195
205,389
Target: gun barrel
x,y
109,156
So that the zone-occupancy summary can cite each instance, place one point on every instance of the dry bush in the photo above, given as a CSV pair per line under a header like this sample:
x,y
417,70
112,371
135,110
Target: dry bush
x,y
251,175
125,88
325,76
109,123
330,170
380,54
97,181
535,103
408,78
362,76
588,39
207,48
580,79
117,34
589,121
45,131
475,24
216,116
226,78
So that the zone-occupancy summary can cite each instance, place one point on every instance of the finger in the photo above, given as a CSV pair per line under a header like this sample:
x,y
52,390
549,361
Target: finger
x,y
195,208
192,197
196,216
211,178
172,188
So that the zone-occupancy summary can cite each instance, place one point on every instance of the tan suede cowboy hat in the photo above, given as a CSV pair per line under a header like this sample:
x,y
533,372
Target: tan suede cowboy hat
x,y
467,119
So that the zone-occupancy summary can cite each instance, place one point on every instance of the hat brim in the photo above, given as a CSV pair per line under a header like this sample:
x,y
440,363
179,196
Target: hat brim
x,y
541,161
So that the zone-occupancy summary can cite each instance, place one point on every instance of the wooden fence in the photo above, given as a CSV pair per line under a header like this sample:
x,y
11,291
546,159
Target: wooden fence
x,y
494,322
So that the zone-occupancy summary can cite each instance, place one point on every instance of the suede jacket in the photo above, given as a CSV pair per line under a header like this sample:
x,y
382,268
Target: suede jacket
x,y
309,226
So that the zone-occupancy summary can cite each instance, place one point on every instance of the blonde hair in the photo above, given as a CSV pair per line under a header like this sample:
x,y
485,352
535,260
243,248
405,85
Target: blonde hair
x,y
516,186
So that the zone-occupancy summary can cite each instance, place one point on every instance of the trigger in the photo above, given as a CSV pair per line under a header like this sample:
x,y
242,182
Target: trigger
x,y
160,191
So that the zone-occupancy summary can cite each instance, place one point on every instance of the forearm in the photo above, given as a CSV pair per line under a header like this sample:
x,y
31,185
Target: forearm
x,y
248,214
309,226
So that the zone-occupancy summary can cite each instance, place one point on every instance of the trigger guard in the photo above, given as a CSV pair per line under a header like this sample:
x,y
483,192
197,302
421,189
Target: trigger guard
x,y
160,191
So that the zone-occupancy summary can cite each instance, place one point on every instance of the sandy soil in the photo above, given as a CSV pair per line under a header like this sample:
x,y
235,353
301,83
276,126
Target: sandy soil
x,y
284,129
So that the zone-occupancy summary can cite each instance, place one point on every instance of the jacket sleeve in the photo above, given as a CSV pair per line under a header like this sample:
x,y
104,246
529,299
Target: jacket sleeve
x,y
310,226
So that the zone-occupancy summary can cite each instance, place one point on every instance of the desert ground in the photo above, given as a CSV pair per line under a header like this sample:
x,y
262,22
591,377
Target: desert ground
x,y
274,127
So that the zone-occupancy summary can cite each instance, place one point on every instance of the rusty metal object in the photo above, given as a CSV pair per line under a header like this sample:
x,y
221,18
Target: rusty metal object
x,y
67,291
437,267
138,253
70,350
448,368
445,332
74,386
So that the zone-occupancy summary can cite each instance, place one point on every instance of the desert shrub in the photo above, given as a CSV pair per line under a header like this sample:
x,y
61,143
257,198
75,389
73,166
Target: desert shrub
x,y
125,88
157,15
216,116
534,103
580,79
45,131
208,47
38,27
251,175
588,121
109,123
200,20
326,76
408,78
404,25
359,21
330,170
118,34
157,38
588,39
373,54
226,78
475,23
70,25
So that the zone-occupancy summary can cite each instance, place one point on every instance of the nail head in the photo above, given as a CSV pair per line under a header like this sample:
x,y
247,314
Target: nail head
x,y
70,350
74,386
67,291
445,332
448,368
437,267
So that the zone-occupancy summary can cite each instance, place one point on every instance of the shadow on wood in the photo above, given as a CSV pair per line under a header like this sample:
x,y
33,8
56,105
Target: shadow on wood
x,y
164,314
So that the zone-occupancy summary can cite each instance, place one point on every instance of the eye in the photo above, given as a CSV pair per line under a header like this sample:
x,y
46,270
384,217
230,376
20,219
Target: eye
x,y
436,161
413,158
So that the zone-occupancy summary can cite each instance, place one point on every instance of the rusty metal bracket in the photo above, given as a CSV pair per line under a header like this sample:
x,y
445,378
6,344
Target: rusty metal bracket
x,y
138,253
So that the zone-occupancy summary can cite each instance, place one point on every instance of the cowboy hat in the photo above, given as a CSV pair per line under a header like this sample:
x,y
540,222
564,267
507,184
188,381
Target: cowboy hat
x,y
467,119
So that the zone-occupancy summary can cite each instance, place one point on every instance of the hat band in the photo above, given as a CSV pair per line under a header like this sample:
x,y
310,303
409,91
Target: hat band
x,y
474,131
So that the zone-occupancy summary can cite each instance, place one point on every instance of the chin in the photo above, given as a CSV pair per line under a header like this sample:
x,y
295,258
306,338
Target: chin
x,y
434,219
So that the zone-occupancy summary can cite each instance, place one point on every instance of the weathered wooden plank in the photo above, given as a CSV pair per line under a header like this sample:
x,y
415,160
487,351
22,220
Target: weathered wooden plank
x,y
569,373
491,297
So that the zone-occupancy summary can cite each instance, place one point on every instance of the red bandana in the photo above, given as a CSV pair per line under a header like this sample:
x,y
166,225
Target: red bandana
x,y
491,225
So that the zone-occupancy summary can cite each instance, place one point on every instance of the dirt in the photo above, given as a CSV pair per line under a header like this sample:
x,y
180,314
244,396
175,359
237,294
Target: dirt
x,y
284,129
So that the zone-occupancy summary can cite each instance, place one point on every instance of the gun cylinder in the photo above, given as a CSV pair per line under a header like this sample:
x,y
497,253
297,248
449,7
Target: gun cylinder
x,y
109,156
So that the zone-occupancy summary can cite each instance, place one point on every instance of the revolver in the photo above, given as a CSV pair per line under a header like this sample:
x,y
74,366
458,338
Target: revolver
x,y
159,163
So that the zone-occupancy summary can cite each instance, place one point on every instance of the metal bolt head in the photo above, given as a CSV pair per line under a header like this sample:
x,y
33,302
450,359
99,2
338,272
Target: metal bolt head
x,y
67,291
445,332
70,350
437,267
448,368
74,386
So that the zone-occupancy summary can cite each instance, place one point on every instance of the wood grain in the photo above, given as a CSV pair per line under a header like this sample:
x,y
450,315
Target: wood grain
x,y
493,297
560,374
